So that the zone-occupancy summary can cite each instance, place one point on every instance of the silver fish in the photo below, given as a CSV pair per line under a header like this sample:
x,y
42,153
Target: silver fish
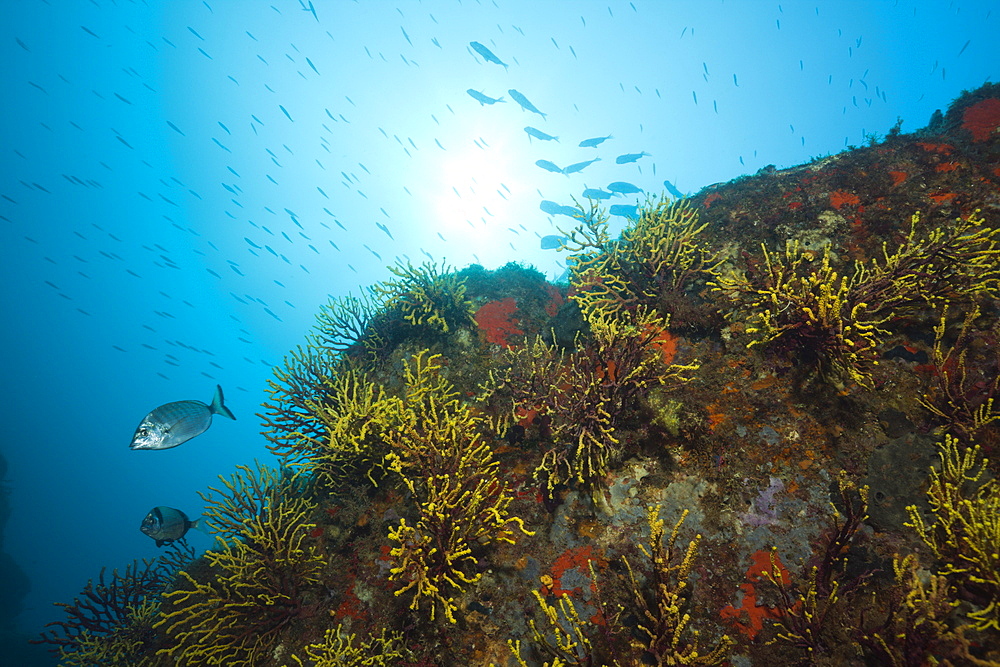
x,y
165,524
175,423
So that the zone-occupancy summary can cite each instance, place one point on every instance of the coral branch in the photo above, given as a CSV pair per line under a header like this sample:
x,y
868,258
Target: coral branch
x,y
966,529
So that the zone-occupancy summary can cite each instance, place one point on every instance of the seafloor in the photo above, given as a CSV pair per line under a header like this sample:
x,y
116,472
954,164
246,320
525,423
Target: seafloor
x,y
788,404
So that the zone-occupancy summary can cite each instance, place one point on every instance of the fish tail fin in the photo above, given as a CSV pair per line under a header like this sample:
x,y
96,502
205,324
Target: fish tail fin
x,y
501,99
201,525
217,406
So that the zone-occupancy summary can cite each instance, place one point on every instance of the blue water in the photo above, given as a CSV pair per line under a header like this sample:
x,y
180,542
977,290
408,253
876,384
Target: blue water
x,y
174,174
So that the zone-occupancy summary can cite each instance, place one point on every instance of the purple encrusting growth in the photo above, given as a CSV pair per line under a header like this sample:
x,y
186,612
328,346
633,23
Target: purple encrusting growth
x,y
762,512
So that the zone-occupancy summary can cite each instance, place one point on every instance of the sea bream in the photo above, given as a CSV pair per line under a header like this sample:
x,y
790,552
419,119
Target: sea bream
x,y
165,525
175,423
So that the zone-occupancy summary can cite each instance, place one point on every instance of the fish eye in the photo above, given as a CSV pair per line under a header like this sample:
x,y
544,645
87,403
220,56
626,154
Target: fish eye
x,y
143,432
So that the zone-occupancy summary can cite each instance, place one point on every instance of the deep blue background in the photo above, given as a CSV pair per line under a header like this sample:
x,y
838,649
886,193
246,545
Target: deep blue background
x,y
147,166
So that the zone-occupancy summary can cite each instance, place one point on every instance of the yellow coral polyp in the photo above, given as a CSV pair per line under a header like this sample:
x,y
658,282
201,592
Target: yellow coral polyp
x,y
343,649
563,624
662,633
953,396
664,623
232,617
598,380
585,391
923,614
249,494
344,433
666,240
357,413
966,528
841,318
427,296
450,470
126,645
661,251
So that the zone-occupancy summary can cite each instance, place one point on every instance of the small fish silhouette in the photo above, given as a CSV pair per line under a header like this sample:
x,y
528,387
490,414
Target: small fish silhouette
x,y
595,193
552,208
630,157
672,189
549,166
623,188
579,166
624,210
551,242
538,134
487,55
523,101
483,99
595,142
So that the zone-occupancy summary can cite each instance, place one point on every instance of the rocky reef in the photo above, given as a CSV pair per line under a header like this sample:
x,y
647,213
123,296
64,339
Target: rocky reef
x,y
758,427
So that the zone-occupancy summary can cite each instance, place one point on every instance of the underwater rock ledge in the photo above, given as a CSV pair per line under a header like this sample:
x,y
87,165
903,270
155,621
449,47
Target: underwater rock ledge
x,y
713,446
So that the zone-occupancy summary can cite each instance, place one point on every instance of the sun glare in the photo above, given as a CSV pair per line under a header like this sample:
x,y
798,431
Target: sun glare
x,y
468,196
